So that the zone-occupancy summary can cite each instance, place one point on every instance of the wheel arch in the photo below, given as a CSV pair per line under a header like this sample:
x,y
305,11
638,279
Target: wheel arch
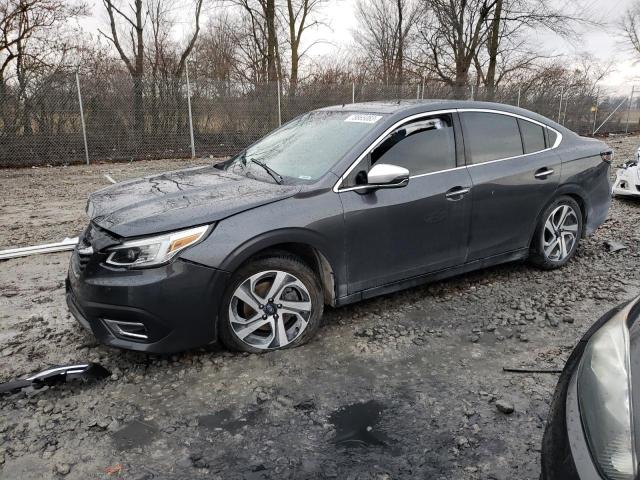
x,y
569,190
299,242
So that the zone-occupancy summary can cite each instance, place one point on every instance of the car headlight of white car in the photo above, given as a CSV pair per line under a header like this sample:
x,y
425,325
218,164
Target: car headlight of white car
x,y
157,250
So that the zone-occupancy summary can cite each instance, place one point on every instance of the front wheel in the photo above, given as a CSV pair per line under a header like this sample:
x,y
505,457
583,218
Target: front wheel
x,y
556,237
271,303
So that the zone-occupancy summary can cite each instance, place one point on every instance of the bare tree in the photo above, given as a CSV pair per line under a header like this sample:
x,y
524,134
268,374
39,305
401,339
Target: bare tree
x,y
134,25
301,15
630,24
385,32
261,19
452,34
218,48
509,20
24,20
33,43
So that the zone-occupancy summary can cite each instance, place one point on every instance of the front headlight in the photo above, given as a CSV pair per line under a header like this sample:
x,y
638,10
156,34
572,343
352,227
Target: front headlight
x,y
151,251
604,398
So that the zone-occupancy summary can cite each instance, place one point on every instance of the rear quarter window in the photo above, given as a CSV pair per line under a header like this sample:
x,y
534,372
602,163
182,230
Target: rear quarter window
x,y
532,136
491,136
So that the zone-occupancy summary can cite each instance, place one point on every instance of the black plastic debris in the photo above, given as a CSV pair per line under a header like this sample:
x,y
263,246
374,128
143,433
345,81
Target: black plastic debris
x,y
56,375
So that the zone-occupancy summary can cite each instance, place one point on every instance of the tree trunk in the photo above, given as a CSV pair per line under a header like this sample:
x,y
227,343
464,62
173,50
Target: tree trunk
x,y
138,104
272,71
400,52
461,82
138,85
295,42
493,43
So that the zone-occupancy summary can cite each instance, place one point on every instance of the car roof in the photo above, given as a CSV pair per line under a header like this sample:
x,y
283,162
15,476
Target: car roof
x,y
401,108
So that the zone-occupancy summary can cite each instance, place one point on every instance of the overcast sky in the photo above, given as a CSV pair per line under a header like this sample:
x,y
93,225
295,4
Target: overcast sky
x,y
603,43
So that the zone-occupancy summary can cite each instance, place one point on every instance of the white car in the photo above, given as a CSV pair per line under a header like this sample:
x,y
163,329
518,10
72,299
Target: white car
x,y
628,178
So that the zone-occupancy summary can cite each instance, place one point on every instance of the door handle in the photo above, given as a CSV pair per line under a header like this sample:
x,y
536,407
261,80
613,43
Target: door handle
x,y
456,193
543,173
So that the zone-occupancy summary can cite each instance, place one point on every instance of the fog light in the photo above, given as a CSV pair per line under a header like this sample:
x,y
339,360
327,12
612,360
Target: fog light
x,y
127,330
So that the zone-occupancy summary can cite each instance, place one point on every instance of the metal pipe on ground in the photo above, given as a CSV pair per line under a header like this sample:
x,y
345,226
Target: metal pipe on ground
x,y
63,246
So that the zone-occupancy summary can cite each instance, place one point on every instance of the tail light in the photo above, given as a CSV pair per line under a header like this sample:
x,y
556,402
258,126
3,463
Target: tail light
x,y
607,156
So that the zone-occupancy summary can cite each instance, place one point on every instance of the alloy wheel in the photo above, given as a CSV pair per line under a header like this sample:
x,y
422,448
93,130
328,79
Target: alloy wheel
x,y
560,233
270,309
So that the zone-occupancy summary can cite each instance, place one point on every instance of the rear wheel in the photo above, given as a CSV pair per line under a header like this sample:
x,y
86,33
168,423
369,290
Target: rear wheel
x,y
556,237
271,303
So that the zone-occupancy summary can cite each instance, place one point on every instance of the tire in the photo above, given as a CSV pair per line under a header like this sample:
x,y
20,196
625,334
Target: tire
x,y
557,234
249,322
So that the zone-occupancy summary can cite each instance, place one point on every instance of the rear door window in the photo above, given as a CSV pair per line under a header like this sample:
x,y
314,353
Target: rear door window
x,y
532,136
491,136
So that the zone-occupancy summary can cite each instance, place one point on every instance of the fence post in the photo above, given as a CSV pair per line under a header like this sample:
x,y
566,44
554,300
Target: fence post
x,y
519,88
564,113
626,129
84,127
279,106
471,92
560,106
353,92
418,92
193,145
422,88
595,115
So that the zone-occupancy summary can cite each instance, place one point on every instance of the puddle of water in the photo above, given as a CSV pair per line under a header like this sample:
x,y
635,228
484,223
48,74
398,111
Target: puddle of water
x,y
135,434
226,420
356,425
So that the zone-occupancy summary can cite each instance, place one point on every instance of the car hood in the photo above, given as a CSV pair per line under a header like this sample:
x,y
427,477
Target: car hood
x,y
179,199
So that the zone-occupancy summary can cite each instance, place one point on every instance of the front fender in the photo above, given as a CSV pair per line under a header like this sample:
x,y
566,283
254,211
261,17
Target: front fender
x,y
315,221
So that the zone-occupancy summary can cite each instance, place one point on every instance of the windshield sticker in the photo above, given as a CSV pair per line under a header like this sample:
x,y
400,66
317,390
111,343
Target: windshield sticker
x,y
304,177
363,118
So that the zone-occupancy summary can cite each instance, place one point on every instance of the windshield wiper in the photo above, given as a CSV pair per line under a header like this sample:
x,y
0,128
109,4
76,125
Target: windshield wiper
x,y
275,175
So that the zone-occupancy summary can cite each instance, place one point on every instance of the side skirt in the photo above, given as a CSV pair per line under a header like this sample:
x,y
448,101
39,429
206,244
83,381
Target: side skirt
x,y
434,276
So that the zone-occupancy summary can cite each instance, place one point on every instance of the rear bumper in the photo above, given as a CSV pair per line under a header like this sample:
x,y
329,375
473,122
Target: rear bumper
x,y
175,305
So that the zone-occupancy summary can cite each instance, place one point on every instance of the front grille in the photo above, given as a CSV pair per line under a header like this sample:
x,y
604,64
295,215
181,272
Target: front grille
x,y
93,242
83,261
84,246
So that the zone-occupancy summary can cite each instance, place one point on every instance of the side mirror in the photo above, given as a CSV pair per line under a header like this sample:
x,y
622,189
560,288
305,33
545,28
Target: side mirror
x,y
384,175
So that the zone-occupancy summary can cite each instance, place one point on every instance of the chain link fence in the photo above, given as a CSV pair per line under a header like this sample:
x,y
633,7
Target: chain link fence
x,y
68,118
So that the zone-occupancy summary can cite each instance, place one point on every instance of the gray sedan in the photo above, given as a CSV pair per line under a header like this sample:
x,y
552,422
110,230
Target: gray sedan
x,y
338,205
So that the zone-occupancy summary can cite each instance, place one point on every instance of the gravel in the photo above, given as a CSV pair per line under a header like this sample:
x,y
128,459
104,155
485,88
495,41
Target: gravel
x,y
421,368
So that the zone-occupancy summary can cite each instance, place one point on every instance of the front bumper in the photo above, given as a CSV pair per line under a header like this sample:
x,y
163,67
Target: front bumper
x,y
175,306
627,182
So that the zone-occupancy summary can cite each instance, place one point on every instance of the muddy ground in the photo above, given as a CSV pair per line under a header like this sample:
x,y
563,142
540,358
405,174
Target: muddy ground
x,y
402,386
